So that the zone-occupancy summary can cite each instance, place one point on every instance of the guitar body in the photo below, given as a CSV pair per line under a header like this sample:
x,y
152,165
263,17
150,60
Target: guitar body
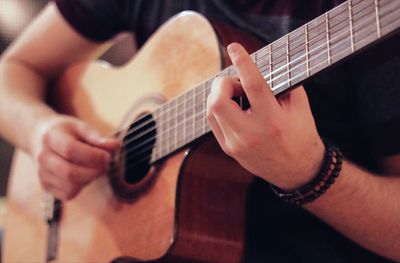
x,y
194,208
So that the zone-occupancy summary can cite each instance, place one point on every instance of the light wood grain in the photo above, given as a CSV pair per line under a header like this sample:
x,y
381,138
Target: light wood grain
x,y
96,226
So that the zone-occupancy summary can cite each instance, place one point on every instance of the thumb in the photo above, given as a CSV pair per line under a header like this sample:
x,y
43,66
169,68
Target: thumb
x,y
93,137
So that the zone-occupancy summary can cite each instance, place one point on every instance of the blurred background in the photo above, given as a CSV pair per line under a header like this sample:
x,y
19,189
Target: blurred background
x,y
15,15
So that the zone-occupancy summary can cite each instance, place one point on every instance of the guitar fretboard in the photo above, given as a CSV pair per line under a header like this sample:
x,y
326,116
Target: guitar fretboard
x,y
284,63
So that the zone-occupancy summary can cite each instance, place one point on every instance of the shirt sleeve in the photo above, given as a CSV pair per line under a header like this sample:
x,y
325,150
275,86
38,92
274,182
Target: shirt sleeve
x,y
96,20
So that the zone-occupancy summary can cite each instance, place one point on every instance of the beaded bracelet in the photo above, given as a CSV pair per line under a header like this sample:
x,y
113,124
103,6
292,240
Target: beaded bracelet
x,y
330,170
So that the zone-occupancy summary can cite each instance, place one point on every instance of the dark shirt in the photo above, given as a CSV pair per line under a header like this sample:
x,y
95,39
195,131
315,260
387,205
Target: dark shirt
x,y
355,105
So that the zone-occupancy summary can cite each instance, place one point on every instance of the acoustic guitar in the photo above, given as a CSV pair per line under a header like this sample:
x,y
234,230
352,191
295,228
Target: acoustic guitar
x,y
171,195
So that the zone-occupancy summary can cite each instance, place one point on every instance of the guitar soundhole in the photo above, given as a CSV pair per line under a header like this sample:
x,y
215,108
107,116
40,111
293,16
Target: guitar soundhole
x,y
137,148
132,168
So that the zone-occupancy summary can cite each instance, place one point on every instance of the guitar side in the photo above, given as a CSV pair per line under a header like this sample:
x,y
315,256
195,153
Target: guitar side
x,y
190,213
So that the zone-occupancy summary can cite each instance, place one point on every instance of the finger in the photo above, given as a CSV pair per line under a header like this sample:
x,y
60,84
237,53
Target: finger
x,y
296,99
256,88
93,137
221,105
56,185
69,172
214,126
78,152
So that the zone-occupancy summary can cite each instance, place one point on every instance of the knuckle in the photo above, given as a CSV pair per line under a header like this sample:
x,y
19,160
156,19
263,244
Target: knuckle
x,y
69,173
232,150
275,130
216,106
68,150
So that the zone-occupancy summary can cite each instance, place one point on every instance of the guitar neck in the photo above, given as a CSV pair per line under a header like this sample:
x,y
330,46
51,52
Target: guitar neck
x,y
285,63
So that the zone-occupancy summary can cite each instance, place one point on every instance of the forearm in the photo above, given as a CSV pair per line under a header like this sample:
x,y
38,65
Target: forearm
x,y
22,106
365,208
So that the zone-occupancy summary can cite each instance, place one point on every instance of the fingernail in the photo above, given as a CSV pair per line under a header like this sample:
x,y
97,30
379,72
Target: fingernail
x,y
233,49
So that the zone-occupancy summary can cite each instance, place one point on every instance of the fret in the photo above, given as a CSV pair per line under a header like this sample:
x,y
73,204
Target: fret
x,y
351,26
306,44
318,56
278,63
378,27
156,150
180,120
185,136
287,61
296,66
270,66
389,13
204,103
207,89
164,130
297,56
364,23
232,71
190,115
328,48
339,24
261,57
198,113
173,130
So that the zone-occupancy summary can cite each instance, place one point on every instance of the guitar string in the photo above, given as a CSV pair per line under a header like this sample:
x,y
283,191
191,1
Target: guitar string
x,y
63,204
283,67
149,148
143,133
382,28
283,55
201,113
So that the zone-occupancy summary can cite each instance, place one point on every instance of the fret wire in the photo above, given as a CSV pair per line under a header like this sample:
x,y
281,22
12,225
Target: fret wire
x,y
351,26
270,65
204,107
331,11
279,69
315,66
332,19
194,112
184,119
327,38
295,30
287,57
365,39
378,28
307,54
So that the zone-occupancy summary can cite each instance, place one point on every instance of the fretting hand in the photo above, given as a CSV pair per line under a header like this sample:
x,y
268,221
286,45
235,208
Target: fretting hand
x,y
274,139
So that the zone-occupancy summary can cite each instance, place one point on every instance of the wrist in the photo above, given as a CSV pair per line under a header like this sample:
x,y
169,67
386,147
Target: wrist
x,y
42,121
319,184
308,169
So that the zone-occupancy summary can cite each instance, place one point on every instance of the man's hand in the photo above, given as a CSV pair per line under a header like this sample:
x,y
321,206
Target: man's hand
x,y
274,139
70,154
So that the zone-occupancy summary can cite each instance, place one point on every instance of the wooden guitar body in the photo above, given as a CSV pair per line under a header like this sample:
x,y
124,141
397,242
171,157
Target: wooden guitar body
x,y
192,210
